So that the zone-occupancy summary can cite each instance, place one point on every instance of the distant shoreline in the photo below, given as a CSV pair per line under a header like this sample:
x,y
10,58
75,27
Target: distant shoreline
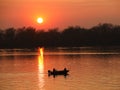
x,y
102,35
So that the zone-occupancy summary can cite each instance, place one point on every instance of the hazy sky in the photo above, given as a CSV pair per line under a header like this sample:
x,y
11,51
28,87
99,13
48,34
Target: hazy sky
x,y
58,13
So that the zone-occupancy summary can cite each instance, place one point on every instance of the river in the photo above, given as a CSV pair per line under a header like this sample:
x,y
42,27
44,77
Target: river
x,y
91,68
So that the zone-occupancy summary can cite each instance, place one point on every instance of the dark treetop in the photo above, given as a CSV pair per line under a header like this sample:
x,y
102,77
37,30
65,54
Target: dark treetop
x,y
100,35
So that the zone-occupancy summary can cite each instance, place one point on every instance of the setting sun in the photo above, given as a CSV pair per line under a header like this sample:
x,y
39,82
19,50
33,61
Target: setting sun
x,y
40,20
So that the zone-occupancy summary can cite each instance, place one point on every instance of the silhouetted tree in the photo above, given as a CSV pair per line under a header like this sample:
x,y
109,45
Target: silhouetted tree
x,y
25,37
9,36
99,35
1,38
53,37
73,36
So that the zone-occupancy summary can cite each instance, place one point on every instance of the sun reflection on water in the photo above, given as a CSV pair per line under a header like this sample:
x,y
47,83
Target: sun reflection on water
x,y
40,68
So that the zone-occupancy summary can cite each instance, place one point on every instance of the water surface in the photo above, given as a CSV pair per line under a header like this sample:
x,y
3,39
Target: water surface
x,y
90,69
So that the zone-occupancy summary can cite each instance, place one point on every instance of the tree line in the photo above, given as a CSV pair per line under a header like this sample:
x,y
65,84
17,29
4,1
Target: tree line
x,y
74,36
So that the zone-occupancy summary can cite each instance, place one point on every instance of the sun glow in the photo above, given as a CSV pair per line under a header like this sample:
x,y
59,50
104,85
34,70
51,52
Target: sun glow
x,y
39,20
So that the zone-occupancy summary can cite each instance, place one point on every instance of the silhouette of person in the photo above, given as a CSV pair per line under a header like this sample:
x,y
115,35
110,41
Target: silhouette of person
x,y
65,69
54,70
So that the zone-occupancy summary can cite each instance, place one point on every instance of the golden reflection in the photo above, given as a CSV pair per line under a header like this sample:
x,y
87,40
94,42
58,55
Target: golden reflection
x,y
40,67
40,60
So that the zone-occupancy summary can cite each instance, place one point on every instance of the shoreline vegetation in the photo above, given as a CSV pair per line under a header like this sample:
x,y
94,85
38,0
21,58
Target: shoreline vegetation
x,y
74,36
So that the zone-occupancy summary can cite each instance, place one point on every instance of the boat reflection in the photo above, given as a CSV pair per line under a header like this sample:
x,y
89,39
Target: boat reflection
x,y
40,68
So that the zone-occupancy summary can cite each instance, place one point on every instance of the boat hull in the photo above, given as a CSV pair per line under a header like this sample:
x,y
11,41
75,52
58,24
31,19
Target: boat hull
x,y
56,72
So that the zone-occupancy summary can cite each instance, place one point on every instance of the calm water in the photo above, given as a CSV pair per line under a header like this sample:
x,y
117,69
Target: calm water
x,y
90,69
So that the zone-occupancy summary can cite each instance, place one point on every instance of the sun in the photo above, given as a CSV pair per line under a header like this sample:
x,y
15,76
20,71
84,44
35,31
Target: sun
x,y
40,20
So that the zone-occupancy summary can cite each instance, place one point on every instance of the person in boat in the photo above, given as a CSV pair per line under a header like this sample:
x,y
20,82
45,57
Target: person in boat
x,y
54,70
65,69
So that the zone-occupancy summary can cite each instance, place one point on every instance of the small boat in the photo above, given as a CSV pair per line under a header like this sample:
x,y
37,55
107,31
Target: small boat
x,y
58,72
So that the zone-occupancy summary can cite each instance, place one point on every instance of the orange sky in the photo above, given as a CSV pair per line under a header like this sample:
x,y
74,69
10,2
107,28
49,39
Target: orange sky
x,y
58,13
